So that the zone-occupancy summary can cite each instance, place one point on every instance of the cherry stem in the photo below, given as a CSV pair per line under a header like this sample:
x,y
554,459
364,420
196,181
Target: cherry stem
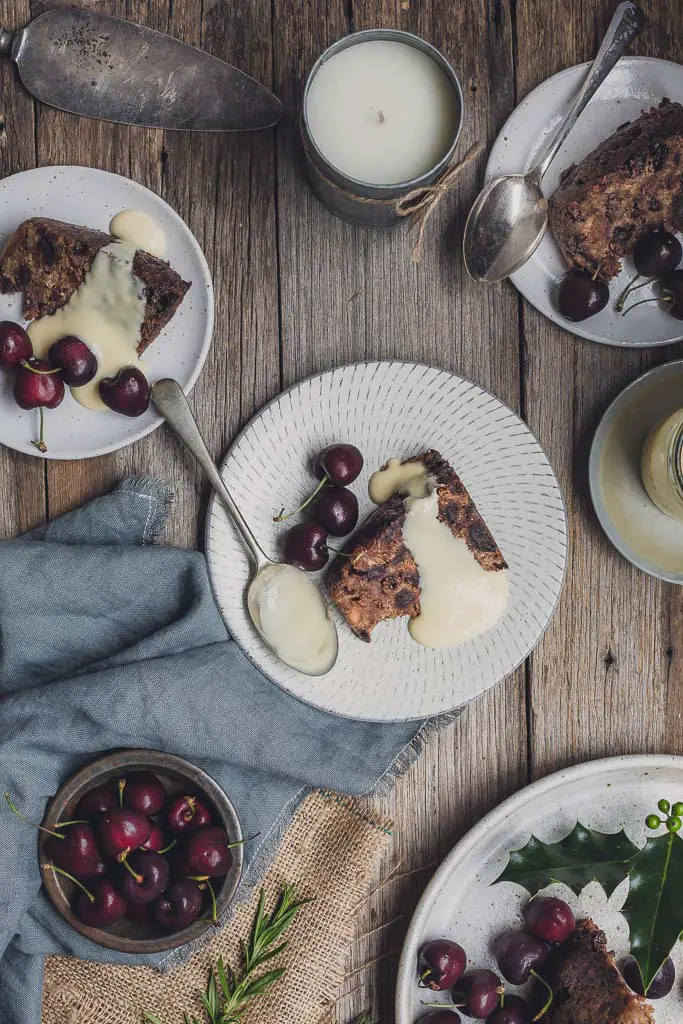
x,y
122,786
123,859
642,302
423,976
12,806
76,821
40,443
633,287
169,847
240,842
61,871
447,1006
214,909
281,517
551,996
41,373
192,805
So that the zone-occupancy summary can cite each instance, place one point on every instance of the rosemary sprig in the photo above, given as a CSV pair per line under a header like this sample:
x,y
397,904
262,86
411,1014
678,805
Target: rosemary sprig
x,y
227,995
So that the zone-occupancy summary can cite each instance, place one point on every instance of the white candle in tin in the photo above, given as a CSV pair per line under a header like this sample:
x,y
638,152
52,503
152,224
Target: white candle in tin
x,y
382,112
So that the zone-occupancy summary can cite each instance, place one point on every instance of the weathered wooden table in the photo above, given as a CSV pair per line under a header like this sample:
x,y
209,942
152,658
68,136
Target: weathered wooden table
x,y
298,291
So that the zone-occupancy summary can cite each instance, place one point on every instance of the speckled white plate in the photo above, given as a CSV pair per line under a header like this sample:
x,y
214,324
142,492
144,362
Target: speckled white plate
x,y
460,903
84,195
634,85
396,409
642,533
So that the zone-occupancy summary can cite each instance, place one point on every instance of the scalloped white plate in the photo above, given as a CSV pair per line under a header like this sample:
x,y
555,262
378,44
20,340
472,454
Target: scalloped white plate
x,y
460,903
633,85
396,409
85,195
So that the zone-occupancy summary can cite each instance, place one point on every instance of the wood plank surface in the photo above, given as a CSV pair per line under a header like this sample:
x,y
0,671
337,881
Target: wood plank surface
x,y
298,291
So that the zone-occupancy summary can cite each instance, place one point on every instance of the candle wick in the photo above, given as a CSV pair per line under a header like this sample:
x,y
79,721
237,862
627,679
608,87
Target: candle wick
x,y
381,117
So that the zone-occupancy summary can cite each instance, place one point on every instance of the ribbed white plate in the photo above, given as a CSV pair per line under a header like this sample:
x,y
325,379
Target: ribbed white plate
x,y
88,196
397,409
633,85
461,904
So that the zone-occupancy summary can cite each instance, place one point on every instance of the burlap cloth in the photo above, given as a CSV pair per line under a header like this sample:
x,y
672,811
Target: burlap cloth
x,y
330,851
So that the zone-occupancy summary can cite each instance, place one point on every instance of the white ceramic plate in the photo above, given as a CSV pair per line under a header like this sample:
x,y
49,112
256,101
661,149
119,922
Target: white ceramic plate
x,y
634,85
84,195
397,409
643,534
460,903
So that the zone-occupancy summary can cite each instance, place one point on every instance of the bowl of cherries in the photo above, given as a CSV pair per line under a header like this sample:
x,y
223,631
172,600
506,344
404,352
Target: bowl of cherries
x,y
140,851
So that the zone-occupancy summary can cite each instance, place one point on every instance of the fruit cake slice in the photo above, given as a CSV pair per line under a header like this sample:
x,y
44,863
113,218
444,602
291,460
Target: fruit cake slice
x,y
48,260
379,579
587,985
632,183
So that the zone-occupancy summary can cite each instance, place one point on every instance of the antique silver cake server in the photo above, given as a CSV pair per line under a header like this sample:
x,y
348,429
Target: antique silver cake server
x,y
97,66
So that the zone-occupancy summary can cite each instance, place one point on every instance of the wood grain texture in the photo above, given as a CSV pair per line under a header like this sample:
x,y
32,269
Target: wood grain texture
x,y
606,679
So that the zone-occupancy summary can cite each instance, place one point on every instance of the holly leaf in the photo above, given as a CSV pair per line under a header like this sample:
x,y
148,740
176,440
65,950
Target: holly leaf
x,y
581,857
653,909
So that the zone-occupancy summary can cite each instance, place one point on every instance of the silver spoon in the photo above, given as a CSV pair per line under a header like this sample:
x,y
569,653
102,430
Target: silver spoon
x,y
510,214
171,402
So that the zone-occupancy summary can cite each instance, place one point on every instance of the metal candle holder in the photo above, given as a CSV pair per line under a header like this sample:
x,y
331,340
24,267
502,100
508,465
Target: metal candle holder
x,y
357,201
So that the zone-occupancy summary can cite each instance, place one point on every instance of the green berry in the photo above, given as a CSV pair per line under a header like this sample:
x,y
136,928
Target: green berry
x,y
673,824
652,821
664,806
677,809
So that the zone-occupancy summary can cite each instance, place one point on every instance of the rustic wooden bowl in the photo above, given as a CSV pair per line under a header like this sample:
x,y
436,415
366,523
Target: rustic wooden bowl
x,y
178,776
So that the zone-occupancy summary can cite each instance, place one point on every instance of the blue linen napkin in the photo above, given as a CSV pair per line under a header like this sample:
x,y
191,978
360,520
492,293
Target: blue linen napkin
x,y
107,641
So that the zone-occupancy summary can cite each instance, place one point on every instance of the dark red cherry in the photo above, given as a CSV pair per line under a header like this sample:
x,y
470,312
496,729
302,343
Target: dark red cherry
x,y
144,792
186,813
336,509
122,830
78,853
441,964
518,954
480,991
549,918
579,296
108,907
15,344
305,546
661,984
513,1011
207,852
657,252
76,361
37,384
154,871
179,905
138,912
97,801
127,393
340,463
157,839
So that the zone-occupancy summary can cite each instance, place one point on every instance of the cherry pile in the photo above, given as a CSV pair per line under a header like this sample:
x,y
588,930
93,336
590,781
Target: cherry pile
x,y
481,993
521,956
332,507
39,383
133,851
656,255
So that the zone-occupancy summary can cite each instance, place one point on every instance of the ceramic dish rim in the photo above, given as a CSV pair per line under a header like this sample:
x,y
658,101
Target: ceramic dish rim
x,y
214,498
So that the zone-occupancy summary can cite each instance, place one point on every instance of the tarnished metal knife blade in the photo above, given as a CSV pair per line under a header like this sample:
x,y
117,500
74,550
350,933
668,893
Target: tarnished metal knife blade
x,y
98,66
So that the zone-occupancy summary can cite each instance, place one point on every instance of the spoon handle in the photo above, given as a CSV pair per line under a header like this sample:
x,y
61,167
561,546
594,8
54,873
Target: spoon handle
x,y
171,402
623,28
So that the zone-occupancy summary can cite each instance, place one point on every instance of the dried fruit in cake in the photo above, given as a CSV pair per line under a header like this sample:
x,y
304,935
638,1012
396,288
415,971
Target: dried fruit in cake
x,y
48,260
587,986
631,183
379,579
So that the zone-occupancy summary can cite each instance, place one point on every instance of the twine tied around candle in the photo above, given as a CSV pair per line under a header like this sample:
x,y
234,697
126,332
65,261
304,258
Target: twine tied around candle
x,y
420,203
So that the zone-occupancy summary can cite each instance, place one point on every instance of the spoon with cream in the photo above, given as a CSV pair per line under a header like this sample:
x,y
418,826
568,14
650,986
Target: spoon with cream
x,y
286,607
